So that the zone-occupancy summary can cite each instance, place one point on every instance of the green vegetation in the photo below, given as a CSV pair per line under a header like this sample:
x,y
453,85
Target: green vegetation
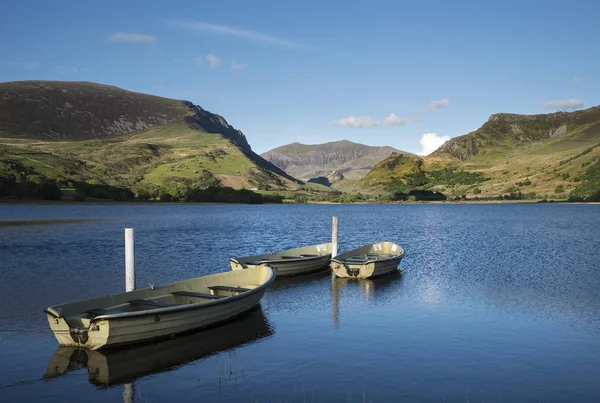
x,y
589,189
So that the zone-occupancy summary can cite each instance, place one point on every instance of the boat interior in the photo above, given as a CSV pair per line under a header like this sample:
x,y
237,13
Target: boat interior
x,y
167,300
367,258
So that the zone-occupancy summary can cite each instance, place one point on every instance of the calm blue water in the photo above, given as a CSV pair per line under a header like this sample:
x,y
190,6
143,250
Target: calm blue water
x,y
495,303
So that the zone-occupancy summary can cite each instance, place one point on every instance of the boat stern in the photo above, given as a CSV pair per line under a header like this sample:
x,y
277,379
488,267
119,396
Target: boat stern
x,y
79,333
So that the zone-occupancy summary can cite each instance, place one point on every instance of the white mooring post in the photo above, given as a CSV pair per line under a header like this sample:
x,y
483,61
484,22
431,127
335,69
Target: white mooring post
x,y
334,237
129,260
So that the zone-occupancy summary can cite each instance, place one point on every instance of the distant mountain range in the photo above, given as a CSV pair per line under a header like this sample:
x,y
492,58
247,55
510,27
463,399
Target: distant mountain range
x,y
87,132
328,163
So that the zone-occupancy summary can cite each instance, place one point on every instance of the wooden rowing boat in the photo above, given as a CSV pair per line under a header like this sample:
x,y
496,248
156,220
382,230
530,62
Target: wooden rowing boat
x,y
159,311
368,261
108,367
289,262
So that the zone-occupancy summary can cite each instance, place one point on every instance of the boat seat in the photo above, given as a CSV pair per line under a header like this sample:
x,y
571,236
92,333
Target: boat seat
x,y
355,260
227,288
197,295
102,311
153,303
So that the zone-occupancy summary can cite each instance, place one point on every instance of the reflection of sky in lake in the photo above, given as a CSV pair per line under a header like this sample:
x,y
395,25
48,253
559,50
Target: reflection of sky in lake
x,y
501,300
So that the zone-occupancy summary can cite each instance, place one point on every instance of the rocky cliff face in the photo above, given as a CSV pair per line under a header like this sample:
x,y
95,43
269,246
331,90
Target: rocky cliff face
x,y
310,161
53,110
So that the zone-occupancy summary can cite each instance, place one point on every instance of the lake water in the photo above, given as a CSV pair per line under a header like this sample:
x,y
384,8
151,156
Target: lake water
x,y
494,303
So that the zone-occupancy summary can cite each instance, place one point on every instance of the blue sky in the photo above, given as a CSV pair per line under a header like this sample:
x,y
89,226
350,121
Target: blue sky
x,y
376,72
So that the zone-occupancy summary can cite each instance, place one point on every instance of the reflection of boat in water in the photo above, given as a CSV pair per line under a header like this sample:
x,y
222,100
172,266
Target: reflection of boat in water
x,y
116,366
368,261
289,262
371,288
282,283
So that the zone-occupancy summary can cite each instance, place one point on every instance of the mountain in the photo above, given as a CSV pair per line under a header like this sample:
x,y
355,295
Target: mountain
x,y
306,162
73,132
553,155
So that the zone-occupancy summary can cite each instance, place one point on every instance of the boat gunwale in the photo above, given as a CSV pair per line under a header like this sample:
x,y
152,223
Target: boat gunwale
x,y
176,309
335,259
294,259
338,259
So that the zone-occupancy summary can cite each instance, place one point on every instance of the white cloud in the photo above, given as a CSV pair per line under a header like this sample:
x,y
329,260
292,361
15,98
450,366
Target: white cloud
x,y
131,38
431,142
358,121
393,120
213,60
366,121
236,66
248,35
564,104
442,103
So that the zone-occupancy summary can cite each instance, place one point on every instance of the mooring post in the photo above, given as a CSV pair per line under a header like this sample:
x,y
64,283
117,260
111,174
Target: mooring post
x,y
334,237
129,260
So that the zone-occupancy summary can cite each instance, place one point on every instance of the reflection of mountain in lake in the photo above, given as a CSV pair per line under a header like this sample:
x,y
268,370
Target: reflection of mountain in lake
x,y
372,288
112,367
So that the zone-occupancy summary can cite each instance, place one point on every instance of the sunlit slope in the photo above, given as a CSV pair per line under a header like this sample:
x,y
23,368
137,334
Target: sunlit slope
x,y
543,156
171,140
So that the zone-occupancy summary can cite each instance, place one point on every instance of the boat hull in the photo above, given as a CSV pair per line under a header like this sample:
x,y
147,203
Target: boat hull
x,y
114,330
290,262
362,271
368,261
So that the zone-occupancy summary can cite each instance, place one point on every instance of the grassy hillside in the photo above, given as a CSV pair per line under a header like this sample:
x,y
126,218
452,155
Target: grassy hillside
x,y
539,156
169,148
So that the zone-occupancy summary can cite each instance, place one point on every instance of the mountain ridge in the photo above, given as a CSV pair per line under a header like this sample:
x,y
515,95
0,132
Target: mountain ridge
x,y
82,132
310,161
510,155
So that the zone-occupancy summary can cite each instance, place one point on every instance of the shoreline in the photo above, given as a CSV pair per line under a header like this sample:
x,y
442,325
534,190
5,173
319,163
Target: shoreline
x,y
136,202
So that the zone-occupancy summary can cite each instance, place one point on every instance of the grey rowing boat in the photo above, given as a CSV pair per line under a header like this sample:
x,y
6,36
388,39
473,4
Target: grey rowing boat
x,y
368,261
291,262
159,311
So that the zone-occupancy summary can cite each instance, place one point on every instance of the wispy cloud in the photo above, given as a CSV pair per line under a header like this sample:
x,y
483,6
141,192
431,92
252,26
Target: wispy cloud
x,y
576,80
236,66
213,60
356,121
24,64
431,142
62,69
442,103
366,121
567,104
393,120
235,32
131,38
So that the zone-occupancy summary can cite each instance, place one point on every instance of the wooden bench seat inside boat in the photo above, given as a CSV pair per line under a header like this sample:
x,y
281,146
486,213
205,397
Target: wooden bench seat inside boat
x,y
197,294
152,303
227,288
